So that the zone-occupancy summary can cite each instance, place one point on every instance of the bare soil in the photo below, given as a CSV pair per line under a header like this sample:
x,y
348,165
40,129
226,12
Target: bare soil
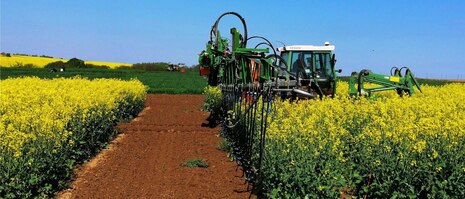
x,y
144,161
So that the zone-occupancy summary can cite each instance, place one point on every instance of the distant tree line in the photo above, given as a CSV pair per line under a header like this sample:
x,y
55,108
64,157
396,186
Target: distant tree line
x,y
73,63
77,63
148,66
5,54
158,66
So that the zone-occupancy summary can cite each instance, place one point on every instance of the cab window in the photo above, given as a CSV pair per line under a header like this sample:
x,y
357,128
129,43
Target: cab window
x,y
295,62
322,65
284,55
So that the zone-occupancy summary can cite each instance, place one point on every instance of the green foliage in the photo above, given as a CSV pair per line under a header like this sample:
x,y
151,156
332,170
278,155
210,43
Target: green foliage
x,y
154,66
309,161
75,63
37,173
45,167
212,102
195,162
157,81
97,66
434,82
158,66
57,64
297,174
21,65
124,67
224,145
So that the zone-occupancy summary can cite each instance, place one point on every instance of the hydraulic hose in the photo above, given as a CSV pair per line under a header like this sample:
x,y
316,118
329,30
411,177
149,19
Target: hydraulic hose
x,y
269,43
396,71
401,69
261,43
215,26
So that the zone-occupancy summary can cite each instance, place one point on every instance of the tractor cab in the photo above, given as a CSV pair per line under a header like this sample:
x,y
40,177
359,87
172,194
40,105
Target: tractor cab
x,y
312,67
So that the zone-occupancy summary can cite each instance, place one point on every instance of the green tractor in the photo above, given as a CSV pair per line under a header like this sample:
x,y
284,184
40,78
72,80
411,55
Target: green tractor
x,y
306,71
296,72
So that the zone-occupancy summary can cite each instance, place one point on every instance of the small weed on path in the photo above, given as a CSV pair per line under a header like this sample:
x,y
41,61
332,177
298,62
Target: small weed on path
x,y
195,162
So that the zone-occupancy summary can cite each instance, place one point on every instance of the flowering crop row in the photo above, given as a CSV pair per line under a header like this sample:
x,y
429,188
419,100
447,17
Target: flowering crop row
x,y
48,125
384,146
377,147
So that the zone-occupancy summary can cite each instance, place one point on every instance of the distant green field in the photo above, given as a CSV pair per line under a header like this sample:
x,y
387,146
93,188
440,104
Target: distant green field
x,y
158,81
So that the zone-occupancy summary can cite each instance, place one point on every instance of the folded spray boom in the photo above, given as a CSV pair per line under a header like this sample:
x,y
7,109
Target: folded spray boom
x,y
395,81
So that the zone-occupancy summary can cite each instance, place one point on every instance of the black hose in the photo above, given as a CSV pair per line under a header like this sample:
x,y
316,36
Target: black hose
x,y
261,43
396,71
269,43
215,26
400,70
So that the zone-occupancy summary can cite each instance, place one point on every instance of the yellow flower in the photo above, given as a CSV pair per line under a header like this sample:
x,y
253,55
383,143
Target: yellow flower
x,y
34,108
419,146
434,155
424,124
40,62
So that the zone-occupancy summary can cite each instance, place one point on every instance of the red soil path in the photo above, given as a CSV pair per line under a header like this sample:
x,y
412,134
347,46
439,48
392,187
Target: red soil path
x,y
145,160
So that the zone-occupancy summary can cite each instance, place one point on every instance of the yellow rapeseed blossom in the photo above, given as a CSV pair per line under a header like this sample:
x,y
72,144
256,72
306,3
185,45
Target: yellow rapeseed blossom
x,y
412,122
375,146
212,101
20,60
32,108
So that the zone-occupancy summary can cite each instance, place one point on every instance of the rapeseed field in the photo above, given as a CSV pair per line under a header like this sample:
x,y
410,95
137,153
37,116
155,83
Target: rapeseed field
x,y
40,62
46,125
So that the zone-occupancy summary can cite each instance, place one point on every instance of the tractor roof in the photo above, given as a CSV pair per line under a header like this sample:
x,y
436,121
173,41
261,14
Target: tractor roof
x,y
307,48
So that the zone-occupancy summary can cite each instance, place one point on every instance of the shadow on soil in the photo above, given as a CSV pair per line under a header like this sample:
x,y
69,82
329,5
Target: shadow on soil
x,y
213,121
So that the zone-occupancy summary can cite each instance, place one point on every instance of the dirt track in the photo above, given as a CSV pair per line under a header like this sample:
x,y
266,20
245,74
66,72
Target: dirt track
x,y
145,160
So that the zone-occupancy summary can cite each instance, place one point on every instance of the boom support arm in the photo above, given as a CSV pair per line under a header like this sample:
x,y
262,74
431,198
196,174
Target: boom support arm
x,y
395,81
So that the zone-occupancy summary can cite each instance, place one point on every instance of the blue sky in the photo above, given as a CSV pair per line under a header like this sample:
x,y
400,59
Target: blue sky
x,y
427,36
